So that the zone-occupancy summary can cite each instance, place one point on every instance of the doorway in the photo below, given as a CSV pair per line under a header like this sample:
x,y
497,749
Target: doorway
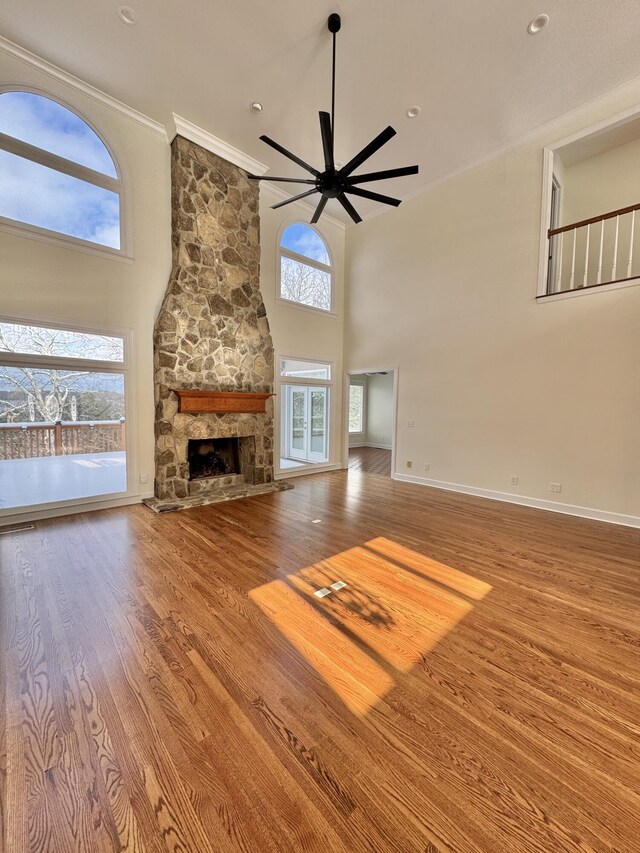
x,y
371,421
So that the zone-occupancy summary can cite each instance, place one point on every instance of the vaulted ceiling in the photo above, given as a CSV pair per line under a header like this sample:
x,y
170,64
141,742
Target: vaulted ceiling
x,y
481,80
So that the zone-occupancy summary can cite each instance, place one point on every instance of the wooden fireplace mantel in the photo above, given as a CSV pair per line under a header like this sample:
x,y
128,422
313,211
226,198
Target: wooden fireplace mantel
x,y
221,402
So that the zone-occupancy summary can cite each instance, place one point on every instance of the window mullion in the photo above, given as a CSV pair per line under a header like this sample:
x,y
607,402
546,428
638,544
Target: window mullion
x,y
59,164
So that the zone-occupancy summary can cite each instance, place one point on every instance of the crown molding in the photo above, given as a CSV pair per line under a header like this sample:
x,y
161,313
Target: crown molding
x,y
282,195
217,146
51,70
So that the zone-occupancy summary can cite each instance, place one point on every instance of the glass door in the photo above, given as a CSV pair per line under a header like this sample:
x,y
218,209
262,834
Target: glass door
x,y
306,419
297,423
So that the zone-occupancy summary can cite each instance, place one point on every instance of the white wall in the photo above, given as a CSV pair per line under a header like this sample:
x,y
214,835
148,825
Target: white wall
x,y
499,385
297,331
379,410
66,285
599,184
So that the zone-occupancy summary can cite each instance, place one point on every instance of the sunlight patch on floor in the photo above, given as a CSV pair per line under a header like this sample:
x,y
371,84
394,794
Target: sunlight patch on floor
x,y
397,606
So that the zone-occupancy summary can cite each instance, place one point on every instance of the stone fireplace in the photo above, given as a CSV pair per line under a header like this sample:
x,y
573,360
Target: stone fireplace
x,y
212,335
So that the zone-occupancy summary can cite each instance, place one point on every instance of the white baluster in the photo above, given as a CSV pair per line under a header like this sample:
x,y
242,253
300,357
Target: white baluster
x,y
586,258
599,277
573,262
633,228
559,275
614,269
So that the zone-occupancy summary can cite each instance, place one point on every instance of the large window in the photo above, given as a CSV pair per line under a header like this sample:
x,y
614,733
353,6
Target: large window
x,y
56,174
305,268
62,415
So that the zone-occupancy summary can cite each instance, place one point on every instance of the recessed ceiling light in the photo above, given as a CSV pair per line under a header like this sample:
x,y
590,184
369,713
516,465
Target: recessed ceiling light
x,y
413,112
127,15
256,107
537,24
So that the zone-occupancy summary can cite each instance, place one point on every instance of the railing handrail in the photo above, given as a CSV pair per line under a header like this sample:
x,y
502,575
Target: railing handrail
x,y
52,424
611,215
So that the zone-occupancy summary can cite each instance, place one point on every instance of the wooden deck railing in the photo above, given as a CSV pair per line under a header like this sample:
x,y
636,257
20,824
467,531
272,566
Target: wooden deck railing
x,y
32,440
584,255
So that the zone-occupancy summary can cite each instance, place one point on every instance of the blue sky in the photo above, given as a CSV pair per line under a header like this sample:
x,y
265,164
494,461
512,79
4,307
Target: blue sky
x,y
304,240
41,196
47,124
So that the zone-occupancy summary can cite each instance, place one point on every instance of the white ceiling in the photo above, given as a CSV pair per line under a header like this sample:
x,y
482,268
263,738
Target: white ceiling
x,y
480,79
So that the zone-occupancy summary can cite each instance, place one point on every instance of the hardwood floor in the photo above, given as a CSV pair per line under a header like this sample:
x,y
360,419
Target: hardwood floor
x,y
371,460
170,682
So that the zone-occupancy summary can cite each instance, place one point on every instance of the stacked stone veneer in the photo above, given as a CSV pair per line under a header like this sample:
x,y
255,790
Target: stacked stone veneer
x,y
212,333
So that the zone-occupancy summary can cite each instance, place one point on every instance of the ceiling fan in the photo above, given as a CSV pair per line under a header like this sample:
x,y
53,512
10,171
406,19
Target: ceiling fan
x,y
336,182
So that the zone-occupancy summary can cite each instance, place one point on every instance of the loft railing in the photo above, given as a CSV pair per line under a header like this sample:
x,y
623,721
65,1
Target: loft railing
x,y
594,252
33,440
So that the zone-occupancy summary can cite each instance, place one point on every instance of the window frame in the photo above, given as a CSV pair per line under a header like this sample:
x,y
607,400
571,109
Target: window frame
x,y
75,170
303,259
126,367
361,384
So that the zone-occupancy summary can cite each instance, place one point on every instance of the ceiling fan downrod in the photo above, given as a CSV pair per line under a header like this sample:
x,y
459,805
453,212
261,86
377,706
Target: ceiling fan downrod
x,y
332,182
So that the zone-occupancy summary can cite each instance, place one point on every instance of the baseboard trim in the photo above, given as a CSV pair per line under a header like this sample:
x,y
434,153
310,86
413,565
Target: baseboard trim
x,y
70,509
522,500
370,444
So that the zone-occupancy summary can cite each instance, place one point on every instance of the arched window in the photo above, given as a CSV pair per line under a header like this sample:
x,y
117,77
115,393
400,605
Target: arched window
x,y
305,268
56,174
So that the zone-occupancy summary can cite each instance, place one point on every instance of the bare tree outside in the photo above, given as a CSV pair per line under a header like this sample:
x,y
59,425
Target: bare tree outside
x,y
305,284
43,394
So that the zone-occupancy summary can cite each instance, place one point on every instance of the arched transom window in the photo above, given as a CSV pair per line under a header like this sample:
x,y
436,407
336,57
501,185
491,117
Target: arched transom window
x,y
56,174
305,268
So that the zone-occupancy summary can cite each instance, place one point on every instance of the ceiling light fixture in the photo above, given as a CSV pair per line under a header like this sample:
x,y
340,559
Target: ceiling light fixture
x,y
413,112
256,107
127,15
335,182
537,24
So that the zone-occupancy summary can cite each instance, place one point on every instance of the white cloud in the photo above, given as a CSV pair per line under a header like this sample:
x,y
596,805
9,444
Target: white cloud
x,y
48,125
40,196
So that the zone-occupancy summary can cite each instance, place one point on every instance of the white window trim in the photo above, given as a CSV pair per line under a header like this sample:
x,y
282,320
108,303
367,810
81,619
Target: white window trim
x,y
363,385
303,259
75,170
545,214
126,367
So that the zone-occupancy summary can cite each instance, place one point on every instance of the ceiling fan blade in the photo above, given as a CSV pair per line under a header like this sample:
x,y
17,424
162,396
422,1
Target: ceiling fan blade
x,y
290,155
293,198
319,209
327,139
380,140
353,213
387,173
385,199
287,180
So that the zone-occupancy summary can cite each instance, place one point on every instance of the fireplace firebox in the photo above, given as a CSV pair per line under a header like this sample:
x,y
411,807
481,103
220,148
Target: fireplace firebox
x,y
213,457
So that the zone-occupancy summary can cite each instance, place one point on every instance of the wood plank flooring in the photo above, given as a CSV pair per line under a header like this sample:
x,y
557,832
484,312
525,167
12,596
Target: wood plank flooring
x,y
172,683
371,460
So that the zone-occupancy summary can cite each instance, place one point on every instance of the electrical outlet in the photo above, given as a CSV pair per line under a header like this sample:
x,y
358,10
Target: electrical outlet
x,y
409,463
411,424
514,479
555,487
144,478
426,466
